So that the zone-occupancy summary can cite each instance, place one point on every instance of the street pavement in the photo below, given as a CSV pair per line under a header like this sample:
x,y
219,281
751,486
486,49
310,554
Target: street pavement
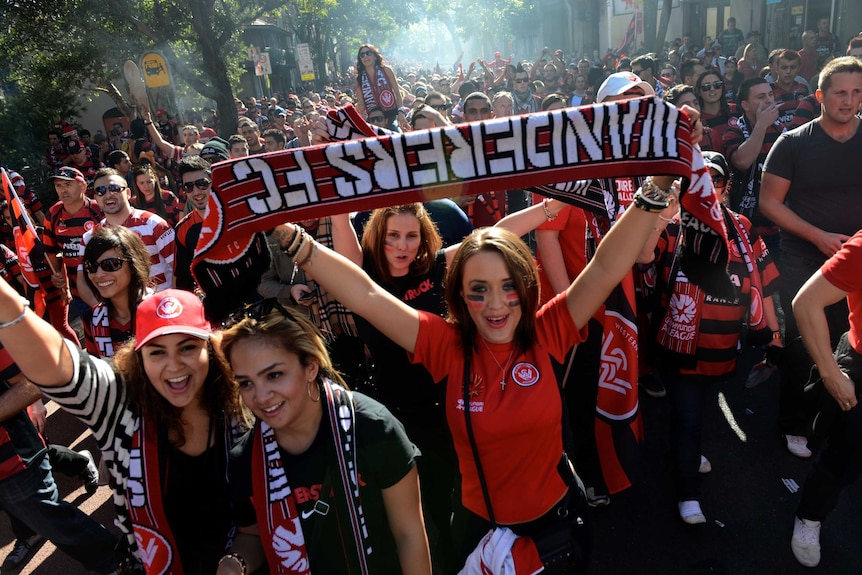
x,y
749,508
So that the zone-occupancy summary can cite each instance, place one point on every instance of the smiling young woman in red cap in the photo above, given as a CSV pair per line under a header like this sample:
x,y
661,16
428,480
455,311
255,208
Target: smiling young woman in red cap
x,y
164,416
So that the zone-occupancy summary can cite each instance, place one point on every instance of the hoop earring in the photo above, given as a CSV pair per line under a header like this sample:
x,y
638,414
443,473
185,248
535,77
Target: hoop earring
x,y
308,391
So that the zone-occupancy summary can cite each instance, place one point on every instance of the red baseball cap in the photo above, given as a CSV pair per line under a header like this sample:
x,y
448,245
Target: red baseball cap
x,y
168,312
161,112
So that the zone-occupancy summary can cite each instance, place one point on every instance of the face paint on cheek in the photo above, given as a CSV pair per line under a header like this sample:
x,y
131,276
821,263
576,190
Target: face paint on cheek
x,y
475,301
512,300
388,247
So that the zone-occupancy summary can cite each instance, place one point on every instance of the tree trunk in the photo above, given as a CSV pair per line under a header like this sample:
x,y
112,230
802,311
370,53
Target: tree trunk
x,y
666,7
650,15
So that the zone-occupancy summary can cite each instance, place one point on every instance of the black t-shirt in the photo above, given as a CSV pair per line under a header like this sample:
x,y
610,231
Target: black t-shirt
x,y
825,182
399,383
385,455
195,486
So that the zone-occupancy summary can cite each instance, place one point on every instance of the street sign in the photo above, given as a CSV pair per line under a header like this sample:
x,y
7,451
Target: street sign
x,y
155,70
263,67
306,64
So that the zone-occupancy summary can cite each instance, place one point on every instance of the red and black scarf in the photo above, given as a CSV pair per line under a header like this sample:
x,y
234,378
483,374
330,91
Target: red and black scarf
x,y
275,503
360,171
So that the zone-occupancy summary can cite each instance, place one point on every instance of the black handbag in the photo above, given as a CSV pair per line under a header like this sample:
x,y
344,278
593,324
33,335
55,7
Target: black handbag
x,y
563,545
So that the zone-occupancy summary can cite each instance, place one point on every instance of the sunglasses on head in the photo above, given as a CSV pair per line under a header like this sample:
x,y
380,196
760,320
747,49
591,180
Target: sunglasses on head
x,y
714,86
258,311
113,188
107,265
365,53
201,184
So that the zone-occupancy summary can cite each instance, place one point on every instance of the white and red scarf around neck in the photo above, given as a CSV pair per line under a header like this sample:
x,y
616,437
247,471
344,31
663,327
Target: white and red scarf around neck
x,y
377,93
145,502
359,171
275,503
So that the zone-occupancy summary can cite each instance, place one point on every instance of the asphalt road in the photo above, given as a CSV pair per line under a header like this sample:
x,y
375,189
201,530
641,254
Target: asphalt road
x,y
748,507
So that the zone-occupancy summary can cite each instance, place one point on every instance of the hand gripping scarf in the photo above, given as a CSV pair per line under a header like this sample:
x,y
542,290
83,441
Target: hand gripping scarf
x,y
360,171
275,503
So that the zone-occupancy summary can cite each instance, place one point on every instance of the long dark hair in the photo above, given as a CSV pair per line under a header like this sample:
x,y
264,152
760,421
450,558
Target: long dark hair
x,y
220,390
140,200
132,248
522,270
378,58
725,107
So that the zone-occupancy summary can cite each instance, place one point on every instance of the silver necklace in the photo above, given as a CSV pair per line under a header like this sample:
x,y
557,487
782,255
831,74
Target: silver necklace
x,y
502,368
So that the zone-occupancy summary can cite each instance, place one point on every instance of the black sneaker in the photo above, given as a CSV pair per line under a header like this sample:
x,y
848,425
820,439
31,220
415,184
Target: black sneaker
x,y
90,476
20,554
652,385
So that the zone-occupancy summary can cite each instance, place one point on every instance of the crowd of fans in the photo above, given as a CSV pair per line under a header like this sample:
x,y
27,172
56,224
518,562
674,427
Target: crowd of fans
x,y
119,245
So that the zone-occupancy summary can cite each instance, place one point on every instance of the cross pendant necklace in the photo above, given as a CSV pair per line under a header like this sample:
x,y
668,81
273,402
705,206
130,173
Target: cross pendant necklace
x,y
502,368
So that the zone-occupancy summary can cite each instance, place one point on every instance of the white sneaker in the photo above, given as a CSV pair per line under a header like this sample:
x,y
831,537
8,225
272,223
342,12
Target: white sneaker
x,y
806,542
705,465
690,512
798,446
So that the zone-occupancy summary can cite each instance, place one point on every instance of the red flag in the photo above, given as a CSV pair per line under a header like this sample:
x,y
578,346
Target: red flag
x,y
630,35
28,245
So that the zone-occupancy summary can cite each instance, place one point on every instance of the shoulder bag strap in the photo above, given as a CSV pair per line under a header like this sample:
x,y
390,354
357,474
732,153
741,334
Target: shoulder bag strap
x,y
472,439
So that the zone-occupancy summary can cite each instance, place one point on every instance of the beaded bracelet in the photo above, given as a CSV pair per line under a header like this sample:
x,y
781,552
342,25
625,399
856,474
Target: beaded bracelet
x,y
20,318
547,211
647,205
294,251
295,242
236,557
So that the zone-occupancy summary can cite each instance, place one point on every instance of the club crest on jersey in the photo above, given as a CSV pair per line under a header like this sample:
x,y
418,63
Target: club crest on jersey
x,y
525,374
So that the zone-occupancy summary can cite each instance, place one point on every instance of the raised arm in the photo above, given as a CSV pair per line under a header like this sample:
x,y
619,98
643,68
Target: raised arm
x,y
32,342
344,239
614,258
155,135
350,285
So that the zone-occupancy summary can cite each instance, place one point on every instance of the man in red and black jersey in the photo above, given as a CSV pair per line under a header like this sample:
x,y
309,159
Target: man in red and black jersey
x,y
746,142
81,159
786,90
65,225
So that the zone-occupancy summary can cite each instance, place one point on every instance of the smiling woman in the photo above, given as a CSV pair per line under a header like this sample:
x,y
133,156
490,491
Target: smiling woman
x,y
117,267
164,416
346,460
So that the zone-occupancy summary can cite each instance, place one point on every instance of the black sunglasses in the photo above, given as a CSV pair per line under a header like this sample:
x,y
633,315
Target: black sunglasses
x,y
107,265
441,107
521,80
714,86
201,184
257,311
365,53
113,188
719,180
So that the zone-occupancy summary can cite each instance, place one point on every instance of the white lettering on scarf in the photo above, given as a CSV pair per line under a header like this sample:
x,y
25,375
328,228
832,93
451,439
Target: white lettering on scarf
x,y
559,139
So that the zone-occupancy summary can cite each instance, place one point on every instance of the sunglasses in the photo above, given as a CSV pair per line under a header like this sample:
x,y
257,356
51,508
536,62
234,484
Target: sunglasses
x,y
107,265
113,188
719,181
365,53
521,80
201,184
441,107
714,86
258,311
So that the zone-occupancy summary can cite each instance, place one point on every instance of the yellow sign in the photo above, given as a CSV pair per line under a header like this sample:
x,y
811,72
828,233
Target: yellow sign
x,y
797,10
155,70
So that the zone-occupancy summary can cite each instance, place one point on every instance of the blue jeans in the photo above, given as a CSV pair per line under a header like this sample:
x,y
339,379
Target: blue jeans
x,y
31,496
687,395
